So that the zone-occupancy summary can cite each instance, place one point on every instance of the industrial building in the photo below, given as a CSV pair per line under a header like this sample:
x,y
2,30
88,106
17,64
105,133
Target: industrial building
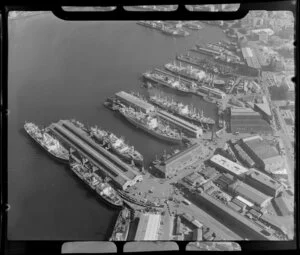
x,y
265,156
250,58
198,234
170,166
243,156
246,120
134,102
148,227
184,126
242,225
263,183
282,206
227,165
249,193
264,109
224,181
121,174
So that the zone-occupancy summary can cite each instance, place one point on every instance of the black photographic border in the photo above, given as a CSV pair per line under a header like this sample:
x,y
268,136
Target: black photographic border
x,y
53,247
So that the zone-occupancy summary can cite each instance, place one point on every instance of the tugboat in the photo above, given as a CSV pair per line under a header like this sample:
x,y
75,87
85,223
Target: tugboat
x,y
117,145
95,182
47,142
151,125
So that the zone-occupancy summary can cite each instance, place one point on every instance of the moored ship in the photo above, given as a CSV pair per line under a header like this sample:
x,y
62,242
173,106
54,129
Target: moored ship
x,y
117,145
174,31
168,81
151,125
95,182
47,142
186,71
178,108
121,229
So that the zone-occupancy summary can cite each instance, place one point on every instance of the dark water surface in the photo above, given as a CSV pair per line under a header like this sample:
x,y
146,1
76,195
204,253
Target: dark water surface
x,y
62,70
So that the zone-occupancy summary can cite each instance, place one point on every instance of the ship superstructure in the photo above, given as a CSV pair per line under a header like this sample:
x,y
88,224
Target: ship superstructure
x,y
48,142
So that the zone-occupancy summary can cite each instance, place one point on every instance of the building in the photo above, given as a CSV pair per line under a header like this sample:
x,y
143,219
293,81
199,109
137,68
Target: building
x,y
148,227
282,207
249,193
263,183
250,58
224,180
246,120
170,166
198,234
244,201
227,165
121,174
265,156
243,156
134,102
264,109
184,126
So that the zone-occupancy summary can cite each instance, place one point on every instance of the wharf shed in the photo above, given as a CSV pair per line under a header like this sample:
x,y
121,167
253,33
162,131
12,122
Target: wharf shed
x,y
169,167
198,234
134,102
243,156
249,193
265,156
186,127
148,227
263,183
227,165
250,58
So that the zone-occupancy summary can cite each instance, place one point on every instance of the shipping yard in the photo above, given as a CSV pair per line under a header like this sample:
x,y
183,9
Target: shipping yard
x,y
232,179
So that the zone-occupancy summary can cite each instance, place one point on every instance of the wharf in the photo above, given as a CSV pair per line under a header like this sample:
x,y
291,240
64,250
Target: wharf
x,y
122,175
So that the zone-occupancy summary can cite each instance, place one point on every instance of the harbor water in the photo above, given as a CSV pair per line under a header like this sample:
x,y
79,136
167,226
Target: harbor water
x,y
61,70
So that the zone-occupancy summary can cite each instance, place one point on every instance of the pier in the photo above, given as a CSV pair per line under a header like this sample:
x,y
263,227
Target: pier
x,y
120,173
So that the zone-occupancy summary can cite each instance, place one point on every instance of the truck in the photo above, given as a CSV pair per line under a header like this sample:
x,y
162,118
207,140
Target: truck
x,y
186,202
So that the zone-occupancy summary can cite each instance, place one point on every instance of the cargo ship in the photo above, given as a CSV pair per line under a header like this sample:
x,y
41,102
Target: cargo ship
x,y
168,81
186,71
117,145
94,181
151,125
47,142
121,229
174,31
151,24
178,108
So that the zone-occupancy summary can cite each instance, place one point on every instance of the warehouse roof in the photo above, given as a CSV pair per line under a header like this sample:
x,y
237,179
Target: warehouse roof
x,y
261,148
264,179
264,106
181,153
228,164
250,193
282,206
148,227
250,57
134,100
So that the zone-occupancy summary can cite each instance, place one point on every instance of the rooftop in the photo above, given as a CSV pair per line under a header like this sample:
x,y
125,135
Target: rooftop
x,y
148,227
134,100
266,180
228,164
261,148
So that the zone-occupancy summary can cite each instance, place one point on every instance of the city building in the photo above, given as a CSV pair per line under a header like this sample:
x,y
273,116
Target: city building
x,y
250,58
282,206
227,165
263,183
224,180
265,156
198,234
184,126
249,193
170,166
134,102
264,109
246,120
148,227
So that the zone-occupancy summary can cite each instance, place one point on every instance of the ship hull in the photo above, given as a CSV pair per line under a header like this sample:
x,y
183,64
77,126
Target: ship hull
x,y
110,203
181,92
138,125
127,158
53,155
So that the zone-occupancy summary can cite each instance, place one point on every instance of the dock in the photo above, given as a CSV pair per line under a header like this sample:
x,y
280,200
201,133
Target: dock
x,y
122,175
